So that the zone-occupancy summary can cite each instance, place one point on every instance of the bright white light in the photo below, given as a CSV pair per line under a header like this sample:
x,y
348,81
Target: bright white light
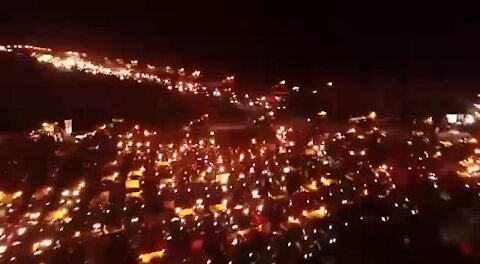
x,y
452,118
46,243
21,231
469,119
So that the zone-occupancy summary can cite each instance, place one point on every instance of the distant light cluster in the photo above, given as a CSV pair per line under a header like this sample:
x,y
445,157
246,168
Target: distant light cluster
x,y
174,80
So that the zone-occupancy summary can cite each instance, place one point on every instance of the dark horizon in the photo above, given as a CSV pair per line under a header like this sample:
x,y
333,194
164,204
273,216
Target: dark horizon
x,y
263,44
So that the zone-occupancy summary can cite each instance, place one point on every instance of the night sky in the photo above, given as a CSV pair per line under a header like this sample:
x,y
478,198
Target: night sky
x,y
261,42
